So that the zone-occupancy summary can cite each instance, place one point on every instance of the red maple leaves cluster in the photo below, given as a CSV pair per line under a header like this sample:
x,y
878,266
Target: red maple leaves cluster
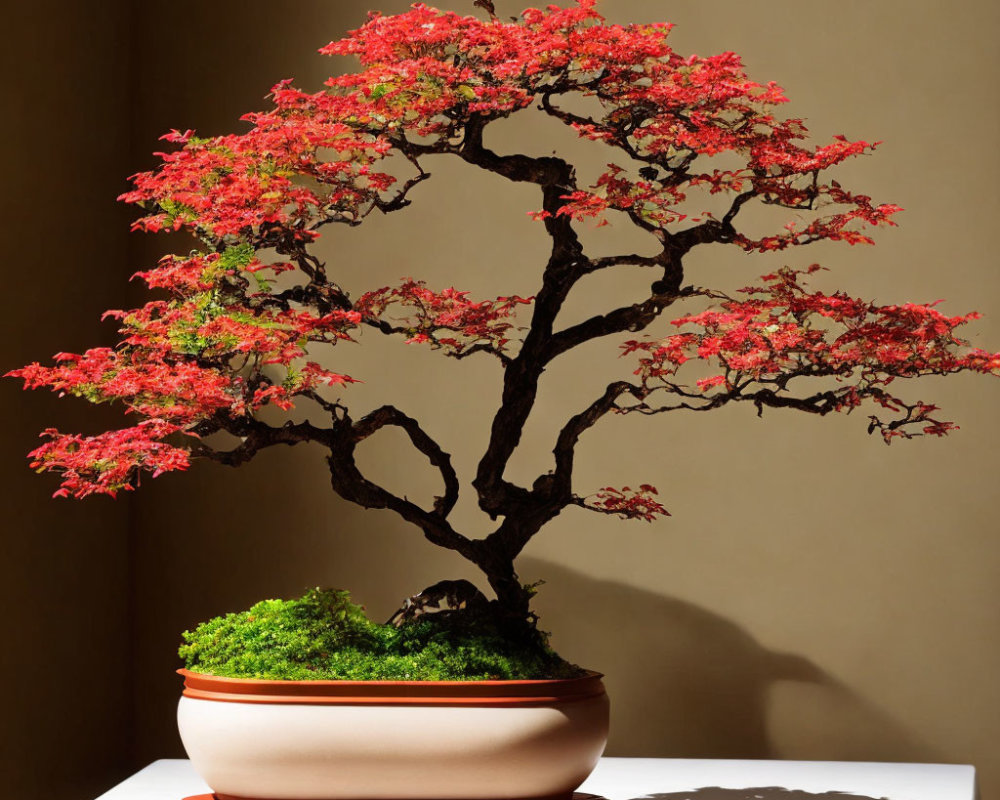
x,y
247,310
781,335
466,325
628,503
109,462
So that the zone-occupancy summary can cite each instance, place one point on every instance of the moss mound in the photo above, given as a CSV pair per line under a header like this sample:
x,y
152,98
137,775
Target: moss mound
x,y
324,636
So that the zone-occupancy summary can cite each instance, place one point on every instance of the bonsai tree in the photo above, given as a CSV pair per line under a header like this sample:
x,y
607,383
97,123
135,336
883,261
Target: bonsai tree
x,y
237,331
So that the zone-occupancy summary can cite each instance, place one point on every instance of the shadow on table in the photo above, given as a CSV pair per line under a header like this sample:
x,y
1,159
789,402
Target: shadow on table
x,y
687,683
755,793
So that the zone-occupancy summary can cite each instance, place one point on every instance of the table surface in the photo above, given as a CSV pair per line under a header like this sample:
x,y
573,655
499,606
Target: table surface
x,y
661,778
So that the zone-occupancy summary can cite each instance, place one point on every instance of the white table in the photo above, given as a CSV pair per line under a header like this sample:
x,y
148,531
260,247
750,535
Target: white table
x,y
633,778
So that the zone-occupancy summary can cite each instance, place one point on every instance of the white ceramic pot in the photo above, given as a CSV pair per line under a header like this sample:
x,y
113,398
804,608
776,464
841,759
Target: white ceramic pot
x,y
349,740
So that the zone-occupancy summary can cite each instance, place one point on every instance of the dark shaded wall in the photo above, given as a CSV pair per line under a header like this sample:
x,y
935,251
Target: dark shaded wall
x,y
815,595
65,658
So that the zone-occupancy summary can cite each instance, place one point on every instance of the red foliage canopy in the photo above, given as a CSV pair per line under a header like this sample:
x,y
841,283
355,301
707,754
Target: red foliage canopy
x,y
226,342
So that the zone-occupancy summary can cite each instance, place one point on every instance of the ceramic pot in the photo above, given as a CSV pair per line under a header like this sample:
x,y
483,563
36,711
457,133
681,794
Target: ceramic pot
x,y
374,740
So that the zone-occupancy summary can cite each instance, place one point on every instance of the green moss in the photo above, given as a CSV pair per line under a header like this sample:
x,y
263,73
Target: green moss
x,y
324,636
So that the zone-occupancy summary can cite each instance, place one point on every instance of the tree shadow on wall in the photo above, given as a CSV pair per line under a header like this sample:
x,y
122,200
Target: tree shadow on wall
x,y
687,683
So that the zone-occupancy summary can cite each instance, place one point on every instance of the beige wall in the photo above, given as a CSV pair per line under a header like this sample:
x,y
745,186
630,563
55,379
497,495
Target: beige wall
x,y
65,653
816,594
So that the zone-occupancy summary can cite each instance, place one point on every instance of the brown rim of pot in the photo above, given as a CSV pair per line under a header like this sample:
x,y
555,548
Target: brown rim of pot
x,y
427,693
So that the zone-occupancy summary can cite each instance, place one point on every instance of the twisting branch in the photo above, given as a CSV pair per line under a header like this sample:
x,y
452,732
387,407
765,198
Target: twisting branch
x,y
552,492
821,403
566,442
390,415
256,436
480,347
738,202
347,480
561,114
400,199
342,439
496,495
545,171
565,266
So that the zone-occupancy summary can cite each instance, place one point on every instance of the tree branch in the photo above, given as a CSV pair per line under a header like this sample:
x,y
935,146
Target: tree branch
x,y
553,491
479,347
628,259
256,436
390,415
400,199
566,442
347,480
632,318
545,171
565,266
